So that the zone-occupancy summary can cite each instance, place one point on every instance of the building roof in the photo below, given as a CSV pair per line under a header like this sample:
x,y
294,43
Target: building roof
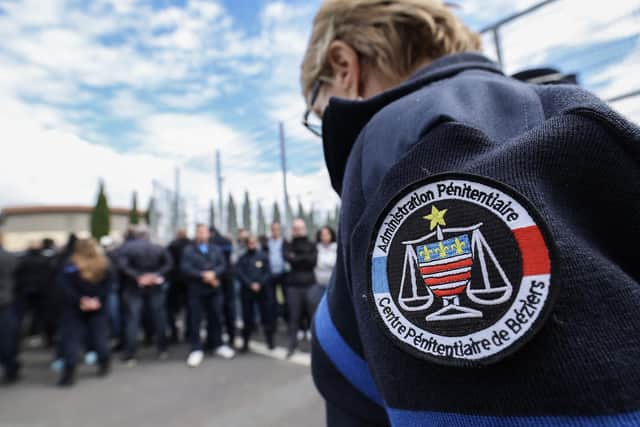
x,y
53,209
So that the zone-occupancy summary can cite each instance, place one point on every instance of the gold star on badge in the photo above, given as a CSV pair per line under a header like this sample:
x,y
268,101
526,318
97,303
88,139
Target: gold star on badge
x,y
436,217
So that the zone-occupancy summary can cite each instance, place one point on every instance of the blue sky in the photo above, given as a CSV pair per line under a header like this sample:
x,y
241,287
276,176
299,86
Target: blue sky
x,y
129,89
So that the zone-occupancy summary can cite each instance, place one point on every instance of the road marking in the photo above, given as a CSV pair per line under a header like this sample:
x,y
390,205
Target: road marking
x,y
280,353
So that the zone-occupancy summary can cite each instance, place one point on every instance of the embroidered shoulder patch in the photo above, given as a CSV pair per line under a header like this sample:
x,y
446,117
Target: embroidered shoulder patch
x,y
460,270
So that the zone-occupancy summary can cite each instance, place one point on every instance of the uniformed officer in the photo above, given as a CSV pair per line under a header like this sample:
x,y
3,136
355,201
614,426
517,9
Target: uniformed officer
x,y
480,279
85,281
202,266
253,273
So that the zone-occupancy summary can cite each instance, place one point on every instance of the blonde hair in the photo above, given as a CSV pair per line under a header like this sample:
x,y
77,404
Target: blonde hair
x,y
90,260
394,36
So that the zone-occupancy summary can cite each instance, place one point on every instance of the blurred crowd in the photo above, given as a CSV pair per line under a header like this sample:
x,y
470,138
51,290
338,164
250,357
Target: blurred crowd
x,y
91,299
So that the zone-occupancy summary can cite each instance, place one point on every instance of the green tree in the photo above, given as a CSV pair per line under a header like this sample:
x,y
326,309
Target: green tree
x,y
134,215
232,218
149,212
246,212
212,214
311,223
100,215
262,223
275,216
301,212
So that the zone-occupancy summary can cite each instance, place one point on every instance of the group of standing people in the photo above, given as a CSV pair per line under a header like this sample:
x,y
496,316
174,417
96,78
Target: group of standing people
x,y
88,293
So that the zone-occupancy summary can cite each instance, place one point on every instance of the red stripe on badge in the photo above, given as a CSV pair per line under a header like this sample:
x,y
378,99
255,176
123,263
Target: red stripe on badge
x,y
535,255
447,279
445,267
449,292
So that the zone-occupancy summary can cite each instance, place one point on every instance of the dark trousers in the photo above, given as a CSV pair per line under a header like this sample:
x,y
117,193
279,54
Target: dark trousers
x,y
9,340
229,305
279,309
209,304
85,330
176,301
262,301
302,300
154,299
30,304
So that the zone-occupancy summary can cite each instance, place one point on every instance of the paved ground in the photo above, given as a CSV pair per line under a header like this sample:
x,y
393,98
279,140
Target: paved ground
x,y
251,390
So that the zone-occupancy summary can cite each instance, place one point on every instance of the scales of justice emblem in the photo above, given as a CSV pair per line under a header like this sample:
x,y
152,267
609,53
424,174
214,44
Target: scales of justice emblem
x,y
443,259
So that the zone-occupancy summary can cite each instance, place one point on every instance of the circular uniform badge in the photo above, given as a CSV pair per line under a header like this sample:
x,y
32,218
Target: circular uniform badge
x,y
460,270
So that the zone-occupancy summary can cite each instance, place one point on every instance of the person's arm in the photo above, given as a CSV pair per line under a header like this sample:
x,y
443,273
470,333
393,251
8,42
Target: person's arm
x,y
308,258
221,264
166,263
188,266
265,271
71,294
124,262
241,273
104,287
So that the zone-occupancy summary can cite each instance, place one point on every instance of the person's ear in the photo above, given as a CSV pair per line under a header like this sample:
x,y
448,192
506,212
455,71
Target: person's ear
x,y
345,64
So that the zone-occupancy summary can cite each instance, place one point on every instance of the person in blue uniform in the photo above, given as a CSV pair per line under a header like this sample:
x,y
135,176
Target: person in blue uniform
x,y
480,276
85,282
202,267
252,271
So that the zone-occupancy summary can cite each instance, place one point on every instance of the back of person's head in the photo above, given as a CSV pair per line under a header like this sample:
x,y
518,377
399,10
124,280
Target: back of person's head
x,y
395,37
91,262
181,233
141,232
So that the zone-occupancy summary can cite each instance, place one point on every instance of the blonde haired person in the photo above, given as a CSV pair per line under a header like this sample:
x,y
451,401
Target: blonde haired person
x,y
449,304
86,281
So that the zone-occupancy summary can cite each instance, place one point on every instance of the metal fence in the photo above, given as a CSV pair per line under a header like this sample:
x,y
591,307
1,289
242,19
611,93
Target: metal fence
x,y
601,45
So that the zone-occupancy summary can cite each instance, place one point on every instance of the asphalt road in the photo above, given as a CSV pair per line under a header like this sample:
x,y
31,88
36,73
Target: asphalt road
x,y
250,390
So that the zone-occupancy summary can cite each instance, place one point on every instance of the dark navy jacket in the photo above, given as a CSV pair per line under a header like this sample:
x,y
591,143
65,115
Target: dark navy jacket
x,y
74,287
137,257
577,162
195,262
253,267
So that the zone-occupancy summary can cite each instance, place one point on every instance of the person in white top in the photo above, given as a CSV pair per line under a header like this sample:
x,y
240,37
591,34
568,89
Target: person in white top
x,y
327,252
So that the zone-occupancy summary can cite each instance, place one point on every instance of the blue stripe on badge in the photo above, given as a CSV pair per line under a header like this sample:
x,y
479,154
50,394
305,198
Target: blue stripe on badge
x,y
379,275
352,367
423,418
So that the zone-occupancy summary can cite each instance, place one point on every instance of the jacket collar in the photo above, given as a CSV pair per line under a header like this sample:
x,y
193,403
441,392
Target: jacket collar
x,y
344,119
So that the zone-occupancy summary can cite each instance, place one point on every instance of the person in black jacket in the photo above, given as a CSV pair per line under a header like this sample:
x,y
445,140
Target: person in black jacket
x,y
177,293
227,285
203,265
252,271
145,267
33,275
8,329
301,254
85,281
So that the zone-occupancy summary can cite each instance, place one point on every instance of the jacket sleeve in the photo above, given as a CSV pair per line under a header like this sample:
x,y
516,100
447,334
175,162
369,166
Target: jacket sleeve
x,y
307,259
188,266
221,264
265,271
124,262
71,294
105,286
241,273
166,263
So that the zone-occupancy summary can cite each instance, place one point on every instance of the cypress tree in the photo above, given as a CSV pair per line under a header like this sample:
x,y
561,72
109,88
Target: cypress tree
x,y
232,219
149,212
262,223
212,215
100,222
246,212
134,215
275,216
